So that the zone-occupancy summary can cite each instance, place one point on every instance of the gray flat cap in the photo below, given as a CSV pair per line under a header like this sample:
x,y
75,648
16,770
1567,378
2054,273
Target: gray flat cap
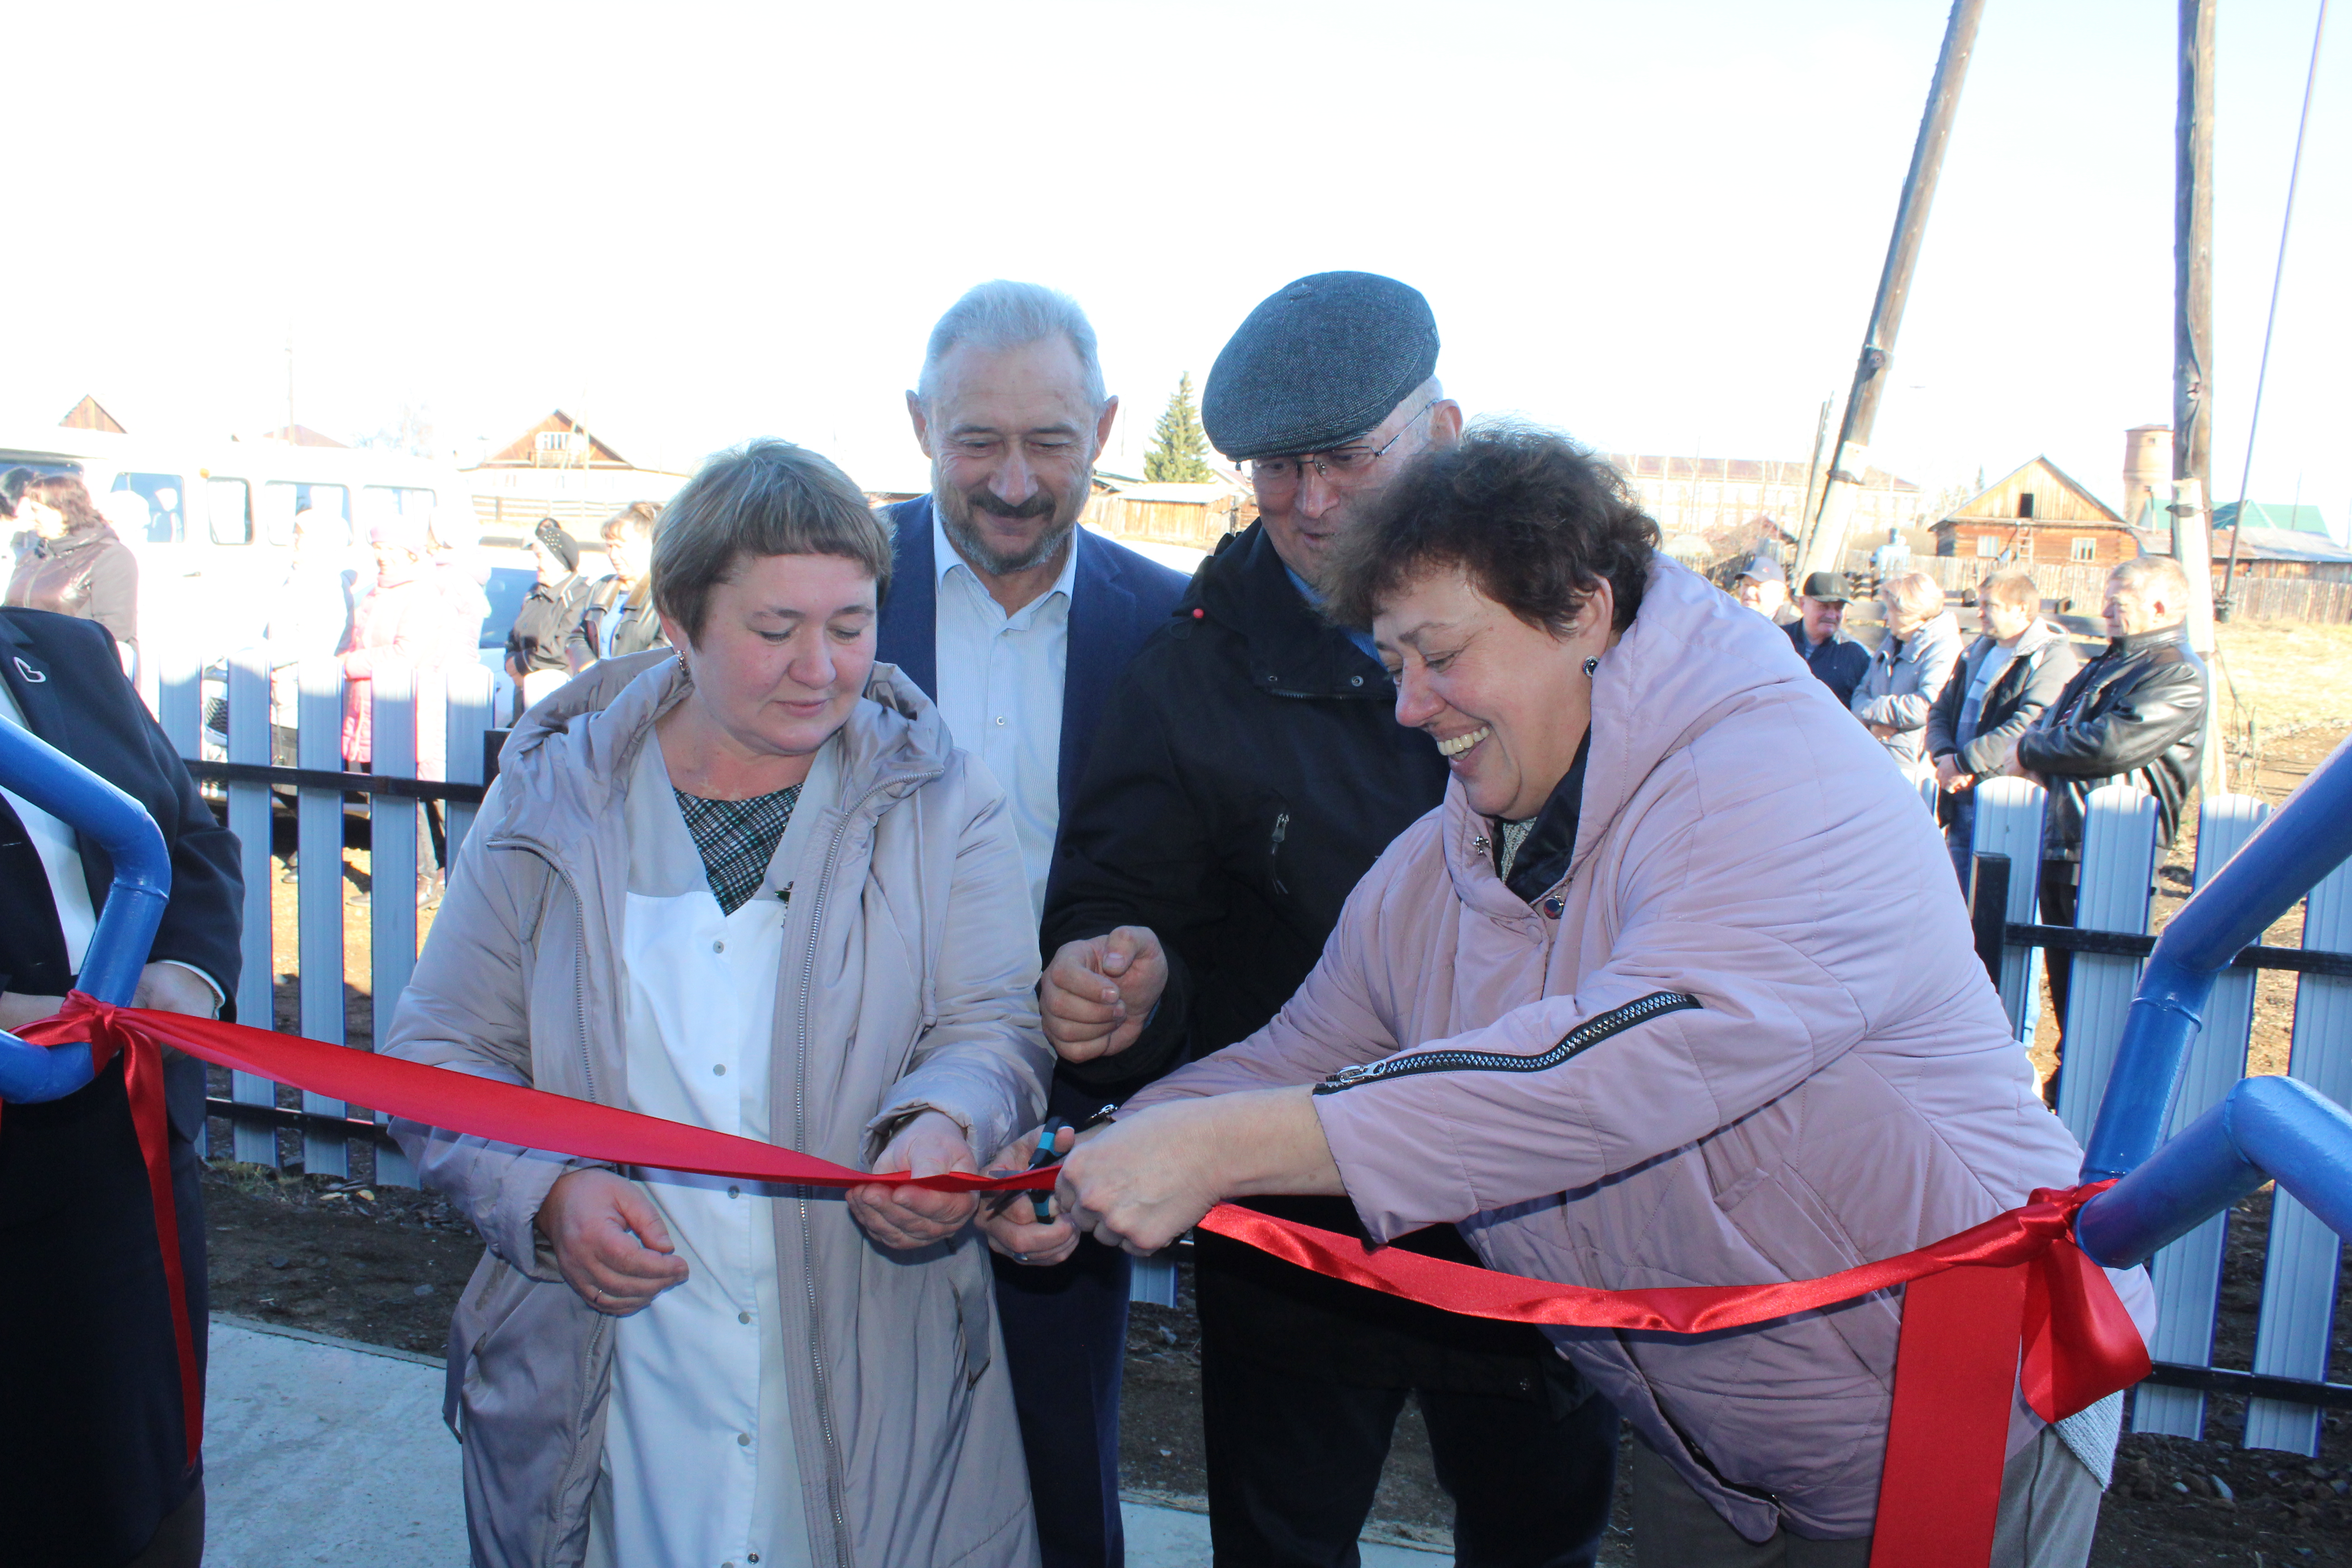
x,y
1319,362
1765,568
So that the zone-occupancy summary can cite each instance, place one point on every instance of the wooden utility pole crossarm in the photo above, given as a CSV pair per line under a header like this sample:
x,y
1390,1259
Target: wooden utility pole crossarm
x,y
1824,545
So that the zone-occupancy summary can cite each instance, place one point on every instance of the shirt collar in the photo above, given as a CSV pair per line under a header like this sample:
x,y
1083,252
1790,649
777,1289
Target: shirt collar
x,y
945,561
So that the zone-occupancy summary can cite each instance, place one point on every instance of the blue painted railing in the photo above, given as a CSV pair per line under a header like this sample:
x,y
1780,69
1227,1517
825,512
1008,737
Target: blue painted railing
x,y
48,778
2267,1128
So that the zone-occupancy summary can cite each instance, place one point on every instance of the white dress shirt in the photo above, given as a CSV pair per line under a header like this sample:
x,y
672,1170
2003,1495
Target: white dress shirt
x,y
60,857
1000,681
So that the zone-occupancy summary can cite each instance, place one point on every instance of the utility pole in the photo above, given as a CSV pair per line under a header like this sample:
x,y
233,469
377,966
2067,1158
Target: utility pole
x,y
1824,544
2192,354
289,381
1814,467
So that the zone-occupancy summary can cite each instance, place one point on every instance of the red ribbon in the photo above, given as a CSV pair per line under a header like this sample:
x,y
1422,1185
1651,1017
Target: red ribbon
x,y
2010,1303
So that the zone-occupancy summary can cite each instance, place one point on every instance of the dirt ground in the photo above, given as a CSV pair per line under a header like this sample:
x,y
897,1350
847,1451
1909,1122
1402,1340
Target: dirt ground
x,y
385,1265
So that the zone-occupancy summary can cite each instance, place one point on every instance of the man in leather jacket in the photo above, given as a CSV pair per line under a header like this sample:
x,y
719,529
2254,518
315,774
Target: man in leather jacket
x,y
2133,715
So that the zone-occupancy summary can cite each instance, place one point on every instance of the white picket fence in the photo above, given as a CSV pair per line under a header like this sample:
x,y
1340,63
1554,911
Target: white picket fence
x,y
462,697
2295,1321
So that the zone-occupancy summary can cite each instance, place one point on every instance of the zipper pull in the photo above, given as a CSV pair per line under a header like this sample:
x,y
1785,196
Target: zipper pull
x,y
1347,1076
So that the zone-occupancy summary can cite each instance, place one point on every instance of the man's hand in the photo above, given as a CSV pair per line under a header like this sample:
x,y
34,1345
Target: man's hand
x,y
1010,1220
1097,994
1884,732
171,988
18,1008
1948,777
609,1240
905,1218
2018,769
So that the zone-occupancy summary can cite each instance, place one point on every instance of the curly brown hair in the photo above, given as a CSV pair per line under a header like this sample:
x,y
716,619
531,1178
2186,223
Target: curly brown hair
x,y
69,494
1534,520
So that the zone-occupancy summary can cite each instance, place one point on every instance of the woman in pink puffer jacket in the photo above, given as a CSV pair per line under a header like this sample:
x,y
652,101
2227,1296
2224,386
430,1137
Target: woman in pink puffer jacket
x,y
1671,990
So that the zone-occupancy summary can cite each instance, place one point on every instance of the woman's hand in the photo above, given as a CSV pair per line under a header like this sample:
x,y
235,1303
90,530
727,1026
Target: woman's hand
x,y
609,1240
1010,1220
903,1217
18,1008
1145,1180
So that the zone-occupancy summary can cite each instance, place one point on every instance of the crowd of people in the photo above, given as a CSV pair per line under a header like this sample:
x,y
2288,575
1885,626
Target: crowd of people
x,y
1442,864
2018,700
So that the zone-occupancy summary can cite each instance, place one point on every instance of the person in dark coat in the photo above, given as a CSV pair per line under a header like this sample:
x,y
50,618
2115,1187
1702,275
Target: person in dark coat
x,y
549,611
619,618
1818,634
2133,715
1248,771
1016,621
2004,682
94,1463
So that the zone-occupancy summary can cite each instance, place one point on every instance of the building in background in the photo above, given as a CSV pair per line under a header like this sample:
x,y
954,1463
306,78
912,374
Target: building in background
x,y
1754,503
560,468
2037,515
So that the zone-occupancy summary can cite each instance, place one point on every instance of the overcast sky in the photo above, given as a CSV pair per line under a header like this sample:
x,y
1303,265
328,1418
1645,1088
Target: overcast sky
x,y
1658,225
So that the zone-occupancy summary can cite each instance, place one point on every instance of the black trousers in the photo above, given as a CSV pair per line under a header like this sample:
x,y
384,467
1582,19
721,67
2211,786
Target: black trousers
x,y
1297,1434
1066,1345
92,1452
2058,897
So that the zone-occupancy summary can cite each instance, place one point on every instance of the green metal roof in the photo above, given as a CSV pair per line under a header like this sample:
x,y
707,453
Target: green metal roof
x,y
2270,514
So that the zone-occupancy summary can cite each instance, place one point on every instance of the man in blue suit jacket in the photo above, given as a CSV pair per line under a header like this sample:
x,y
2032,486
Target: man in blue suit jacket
x,y
1017,623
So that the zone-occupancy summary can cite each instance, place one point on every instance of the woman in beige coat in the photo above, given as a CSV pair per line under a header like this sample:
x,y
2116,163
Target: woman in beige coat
x,y
748,884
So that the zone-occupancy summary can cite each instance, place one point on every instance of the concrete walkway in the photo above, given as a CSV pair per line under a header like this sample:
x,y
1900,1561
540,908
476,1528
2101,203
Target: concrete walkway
x,y
319,1450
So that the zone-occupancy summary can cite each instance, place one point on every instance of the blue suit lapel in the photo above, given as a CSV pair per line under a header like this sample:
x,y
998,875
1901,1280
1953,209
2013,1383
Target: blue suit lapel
x,y
909,633
1100,605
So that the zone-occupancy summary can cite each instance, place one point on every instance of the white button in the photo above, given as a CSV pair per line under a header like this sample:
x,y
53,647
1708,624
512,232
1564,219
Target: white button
x,y
719,947
742,1439
734,1192
1000,721
718,1071
742,1317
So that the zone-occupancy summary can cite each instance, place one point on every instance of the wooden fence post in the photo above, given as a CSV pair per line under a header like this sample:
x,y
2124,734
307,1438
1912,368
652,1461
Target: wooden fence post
x,y
2188,1274
249,815
2298,1310
2119,869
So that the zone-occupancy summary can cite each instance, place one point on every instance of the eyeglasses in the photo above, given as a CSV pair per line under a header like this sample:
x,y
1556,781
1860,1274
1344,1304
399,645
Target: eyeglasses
x,y
1345,465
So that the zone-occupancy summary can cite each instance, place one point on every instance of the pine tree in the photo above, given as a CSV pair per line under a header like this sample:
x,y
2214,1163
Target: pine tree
x,y
1180,449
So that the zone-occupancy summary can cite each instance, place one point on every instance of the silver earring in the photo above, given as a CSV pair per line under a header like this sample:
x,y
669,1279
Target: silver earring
x,y
1591,665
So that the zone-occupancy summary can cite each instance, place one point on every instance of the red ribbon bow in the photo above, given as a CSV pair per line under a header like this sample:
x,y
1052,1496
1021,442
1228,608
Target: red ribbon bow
x,y
2010,1303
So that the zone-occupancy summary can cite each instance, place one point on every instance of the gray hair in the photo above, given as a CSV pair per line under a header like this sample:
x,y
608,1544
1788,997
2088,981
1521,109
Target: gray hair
x,y
1916,592
2160,573
1006,315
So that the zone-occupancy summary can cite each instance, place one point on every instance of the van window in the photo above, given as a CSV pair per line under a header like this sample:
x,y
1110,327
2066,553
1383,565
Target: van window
x,y
229,504
166,524
282,498
406,500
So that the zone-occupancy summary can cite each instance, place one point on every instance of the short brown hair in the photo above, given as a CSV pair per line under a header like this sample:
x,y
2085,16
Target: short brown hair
x,y
636,519
2013,586
1534,520
765,498
69,494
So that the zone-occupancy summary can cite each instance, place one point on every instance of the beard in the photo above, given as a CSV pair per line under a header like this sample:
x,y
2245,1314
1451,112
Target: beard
x,y
958,507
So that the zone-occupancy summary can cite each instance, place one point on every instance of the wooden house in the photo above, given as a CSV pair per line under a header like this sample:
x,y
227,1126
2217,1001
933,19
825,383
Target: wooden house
x,y
2038,515
560,468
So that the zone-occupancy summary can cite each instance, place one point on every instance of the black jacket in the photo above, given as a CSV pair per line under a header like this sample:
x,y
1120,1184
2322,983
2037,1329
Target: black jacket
x,y
2133,715
640,627
1839,663
68,685
544,623
2035,676
1248,770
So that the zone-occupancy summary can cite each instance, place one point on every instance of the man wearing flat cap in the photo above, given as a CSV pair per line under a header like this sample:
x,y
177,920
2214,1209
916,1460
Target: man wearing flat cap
x,y
1248,771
